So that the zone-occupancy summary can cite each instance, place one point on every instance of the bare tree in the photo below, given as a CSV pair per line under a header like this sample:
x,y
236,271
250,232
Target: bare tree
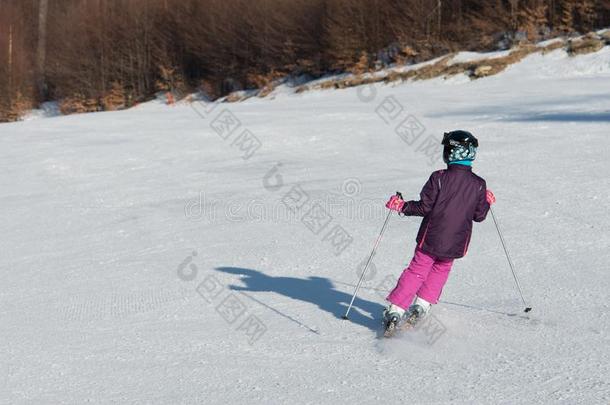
x,y
105,54
43,7
10,59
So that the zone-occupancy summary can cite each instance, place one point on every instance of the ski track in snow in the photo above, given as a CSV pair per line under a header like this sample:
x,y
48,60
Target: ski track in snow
x,y
126,235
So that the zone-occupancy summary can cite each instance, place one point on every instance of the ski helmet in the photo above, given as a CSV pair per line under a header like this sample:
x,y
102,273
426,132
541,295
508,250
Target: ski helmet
x,y
459,145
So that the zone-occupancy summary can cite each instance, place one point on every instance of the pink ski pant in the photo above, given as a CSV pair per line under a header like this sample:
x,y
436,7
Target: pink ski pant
x,y
425,278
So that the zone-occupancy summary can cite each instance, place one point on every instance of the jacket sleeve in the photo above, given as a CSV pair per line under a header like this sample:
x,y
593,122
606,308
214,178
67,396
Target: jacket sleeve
x,y
482,205
427,199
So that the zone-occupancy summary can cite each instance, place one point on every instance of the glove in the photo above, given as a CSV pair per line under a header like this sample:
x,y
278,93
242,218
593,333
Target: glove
x,y
491,198
395,204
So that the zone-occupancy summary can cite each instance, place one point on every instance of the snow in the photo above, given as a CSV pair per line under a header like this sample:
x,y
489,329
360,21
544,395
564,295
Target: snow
x,y
47,110
381,73
548,42
462,57
104,300
563,66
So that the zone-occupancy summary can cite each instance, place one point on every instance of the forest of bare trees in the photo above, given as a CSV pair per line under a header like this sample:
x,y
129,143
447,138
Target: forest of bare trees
x,y
106,54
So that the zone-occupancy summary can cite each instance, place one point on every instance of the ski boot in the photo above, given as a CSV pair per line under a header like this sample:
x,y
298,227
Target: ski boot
x,y
392,317
417,311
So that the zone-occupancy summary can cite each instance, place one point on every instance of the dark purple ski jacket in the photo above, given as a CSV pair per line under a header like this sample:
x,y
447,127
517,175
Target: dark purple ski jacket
x,y
449,202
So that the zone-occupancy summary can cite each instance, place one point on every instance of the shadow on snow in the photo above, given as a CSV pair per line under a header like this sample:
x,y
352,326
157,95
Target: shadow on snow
x,y
318,291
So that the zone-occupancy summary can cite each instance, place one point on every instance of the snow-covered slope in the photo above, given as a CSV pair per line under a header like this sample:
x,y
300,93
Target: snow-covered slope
x,y
144,260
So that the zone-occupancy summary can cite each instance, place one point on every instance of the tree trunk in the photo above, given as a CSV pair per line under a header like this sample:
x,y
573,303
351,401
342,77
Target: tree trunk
x,y
10,60
439,5
43,7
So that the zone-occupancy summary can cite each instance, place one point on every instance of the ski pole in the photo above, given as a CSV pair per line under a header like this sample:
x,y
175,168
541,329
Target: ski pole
x,y
368,262
510,262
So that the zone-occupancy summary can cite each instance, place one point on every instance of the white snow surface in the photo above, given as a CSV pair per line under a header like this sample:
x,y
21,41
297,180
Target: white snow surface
x,y
101,214
46,110
461,57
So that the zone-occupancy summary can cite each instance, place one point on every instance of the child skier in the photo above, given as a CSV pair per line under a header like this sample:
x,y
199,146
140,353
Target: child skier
x,y
449,202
